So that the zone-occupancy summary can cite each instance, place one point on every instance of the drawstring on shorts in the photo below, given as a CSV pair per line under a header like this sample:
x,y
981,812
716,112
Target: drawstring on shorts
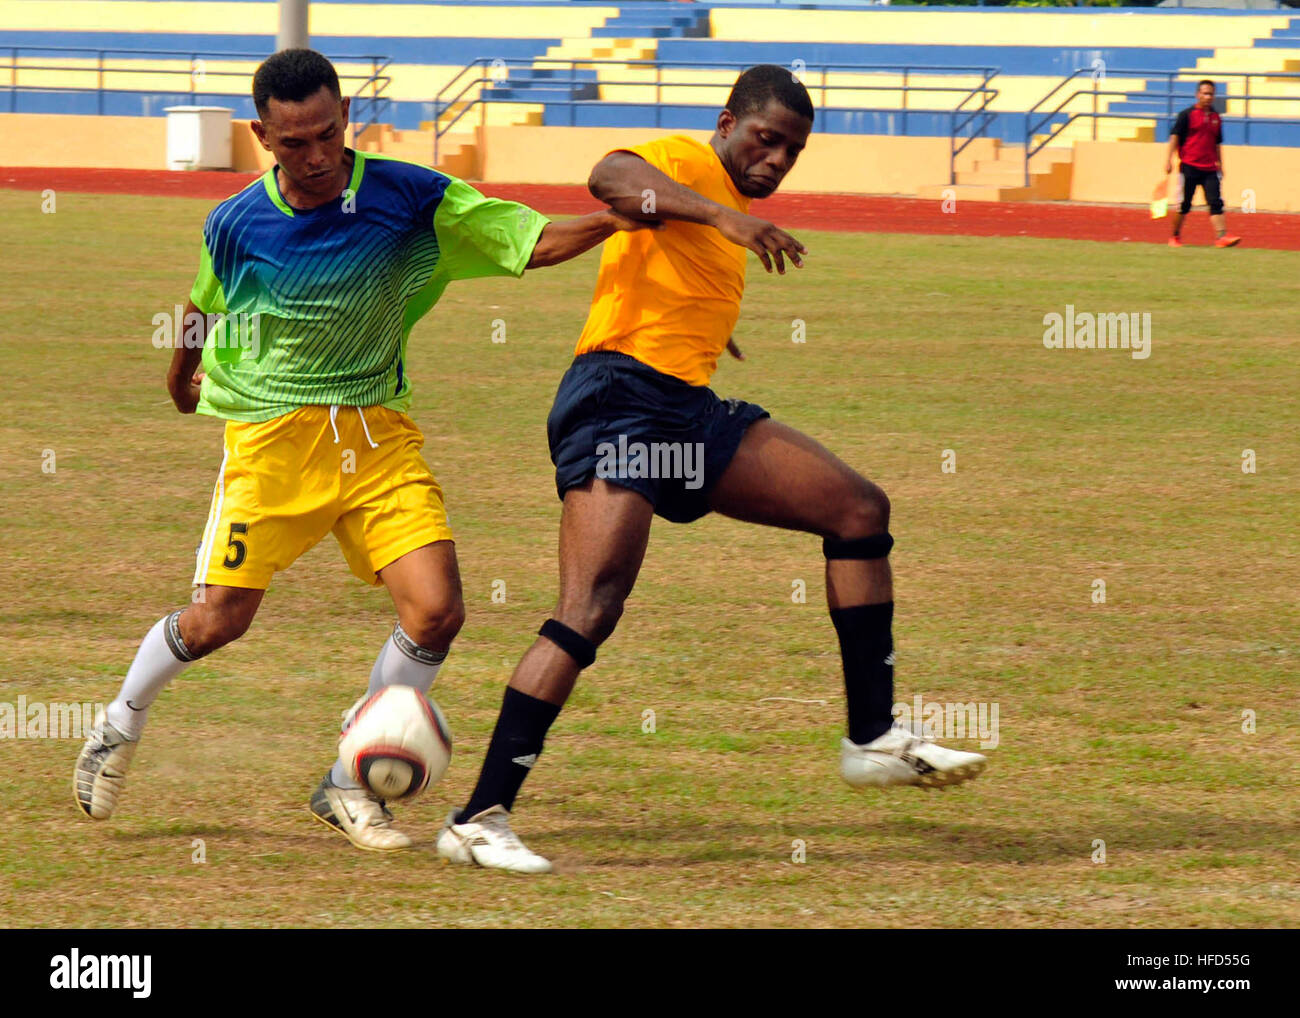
x,y
334,412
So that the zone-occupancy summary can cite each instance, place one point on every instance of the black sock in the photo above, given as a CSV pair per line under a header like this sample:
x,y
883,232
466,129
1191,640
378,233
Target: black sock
x,y
520,732
867,646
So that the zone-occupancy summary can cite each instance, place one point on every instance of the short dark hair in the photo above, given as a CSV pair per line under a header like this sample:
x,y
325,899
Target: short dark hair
x,y
1206,81
759,85
292,75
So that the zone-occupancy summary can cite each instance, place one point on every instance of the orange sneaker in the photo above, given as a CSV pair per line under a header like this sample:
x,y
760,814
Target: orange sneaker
x,y
1227,240
1175,242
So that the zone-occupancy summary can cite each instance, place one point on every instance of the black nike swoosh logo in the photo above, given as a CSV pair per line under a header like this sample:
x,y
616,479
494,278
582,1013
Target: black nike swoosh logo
x,y
134,707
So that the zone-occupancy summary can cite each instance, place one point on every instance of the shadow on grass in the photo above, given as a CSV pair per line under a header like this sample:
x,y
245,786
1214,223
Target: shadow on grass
x,y
900,839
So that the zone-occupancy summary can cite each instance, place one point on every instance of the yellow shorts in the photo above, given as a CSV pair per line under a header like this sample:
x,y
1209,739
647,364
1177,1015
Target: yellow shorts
x,y
285,483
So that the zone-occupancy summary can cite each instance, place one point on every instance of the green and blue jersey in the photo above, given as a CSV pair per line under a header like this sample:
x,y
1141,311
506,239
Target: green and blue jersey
x,y
318,303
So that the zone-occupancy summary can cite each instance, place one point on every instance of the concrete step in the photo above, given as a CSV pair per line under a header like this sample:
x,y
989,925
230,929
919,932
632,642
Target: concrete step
x,y
459,157
975,192
1008,176
603,49
1015,163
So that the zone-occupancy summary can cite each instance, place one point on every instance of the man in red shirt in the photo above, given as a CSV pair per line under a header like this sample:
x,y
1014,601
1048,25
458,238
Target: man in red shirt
x,y
1197,136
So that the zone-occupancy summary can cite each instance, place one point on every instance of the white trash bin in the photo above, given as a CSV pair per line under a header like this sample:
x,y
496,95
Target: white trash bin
x,y
198,137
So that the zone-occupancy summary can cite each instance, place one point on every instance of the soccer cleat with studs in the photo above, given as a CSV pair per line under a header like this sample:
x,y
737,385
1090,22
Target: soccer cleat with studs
x,y
100,772
486,840
360,816
899,757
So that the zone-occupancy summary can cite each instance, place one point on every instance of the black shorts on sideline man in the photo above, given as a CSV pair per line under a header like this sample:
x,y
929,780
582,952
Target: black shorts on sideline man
x,y
1208,181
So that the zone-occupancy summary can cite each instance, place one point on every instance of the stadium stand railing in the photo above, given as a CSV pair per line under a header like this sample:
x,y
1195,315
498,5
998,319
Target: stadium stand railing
x,y
1156,109
108,75
574,85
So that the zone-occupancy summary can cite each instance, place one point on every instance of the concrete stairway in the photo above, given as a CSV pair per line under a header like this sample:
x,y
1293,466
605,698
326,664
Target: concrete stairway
x,y
458,154
1002,178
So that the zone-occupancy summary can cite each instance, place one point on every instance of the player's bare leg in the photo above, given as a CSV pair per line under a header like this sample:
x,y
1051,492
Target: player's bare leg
x,y
604,530
425,587
780,477
426,591
217,616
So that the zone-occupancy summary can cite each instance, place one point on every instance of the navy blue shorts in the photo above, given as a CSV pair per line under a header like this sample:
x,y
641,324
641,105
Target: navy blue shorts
x,y
620,420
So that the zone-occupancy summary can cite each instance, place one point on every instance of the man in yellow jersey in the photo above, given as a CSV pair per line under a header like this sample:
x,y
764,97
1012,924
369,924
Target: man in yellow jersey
x,y
635,431
312,278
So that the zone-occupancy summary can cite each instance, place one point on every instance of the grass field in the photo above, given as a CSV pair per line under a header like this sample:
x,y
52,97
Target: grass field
x,y
1120,722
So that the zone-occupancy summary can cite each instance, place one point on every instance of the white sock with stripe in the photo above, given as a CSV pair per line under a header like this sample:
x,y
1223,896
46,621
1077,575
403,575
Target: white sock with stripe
x,y
401,662
161,657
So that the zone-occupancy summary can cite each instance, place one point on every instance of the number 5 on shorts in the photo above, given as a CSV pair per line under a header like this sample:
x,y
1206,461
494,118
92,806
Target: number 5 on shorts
x,y
238,550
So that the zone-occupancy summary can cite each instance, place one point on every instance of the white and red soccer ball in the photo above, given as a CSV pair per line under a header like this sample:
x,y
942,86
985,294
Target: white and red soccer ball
x,y
395,742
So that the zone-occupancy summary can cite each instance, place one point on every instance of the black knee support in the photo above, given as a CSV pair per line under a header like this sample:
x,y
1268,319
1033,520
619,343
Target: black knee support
x,y
570,641
875,546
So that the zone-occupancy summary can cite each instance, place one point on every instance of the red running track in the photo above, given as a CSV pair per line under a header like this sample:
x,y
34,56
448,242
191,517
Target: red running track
x,y
845,212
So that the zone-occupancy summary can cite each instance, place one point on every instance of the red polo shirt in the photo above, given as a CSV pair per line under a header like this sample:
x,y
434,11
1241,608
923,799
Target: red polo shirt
x,y
1199,133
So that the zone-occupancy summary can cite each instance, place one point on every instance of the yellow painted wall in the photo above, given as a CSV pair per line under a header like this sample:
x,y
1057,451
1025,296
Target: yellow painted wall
x,y
400,20
128,143
831,163
1127,171
992,28
246,151
42,139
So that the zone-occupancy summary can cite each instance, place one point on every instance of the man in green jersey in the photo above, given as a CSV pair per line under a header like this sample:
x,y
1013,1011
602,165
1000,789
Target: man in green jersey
x,y
311,279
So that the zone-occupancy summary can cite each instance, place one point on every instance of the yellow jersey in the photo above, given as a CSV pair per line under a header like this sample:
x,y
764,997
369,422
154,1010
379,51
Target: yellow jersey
x,y
671,297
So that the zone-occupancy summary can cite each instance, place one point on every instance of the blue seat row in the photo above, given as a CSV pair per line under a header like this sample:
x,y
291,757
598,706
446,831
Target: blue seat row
x,y
437,52
1020,60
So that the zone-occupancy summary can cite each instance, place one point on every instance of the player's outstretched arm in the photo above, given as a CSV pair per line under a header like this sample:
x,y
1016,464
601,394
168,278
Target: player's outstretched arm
x,y
633,188
558,242
183,379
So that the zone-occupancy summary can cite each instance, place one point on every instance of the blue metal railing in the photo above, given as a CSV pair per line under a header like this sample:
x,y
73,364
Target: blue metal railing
x,y
471,87
1036,119
369,100
977,119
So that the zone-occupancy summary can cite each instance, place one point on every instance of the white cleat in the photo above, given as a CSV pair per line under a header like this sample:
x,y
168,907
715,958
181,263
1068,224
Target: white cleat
x,y
360,816
486,840
899,757
100,772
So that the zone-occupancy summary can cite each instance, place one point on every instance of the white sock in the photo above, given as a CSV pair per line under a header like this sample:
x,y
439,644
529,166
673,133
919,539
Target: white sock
x,y
401,662
161,657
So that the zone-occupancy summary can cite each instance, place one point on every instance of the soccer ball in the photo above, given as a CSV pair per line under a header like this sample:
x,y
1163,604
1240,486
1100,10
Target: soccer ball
x,y
395,742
